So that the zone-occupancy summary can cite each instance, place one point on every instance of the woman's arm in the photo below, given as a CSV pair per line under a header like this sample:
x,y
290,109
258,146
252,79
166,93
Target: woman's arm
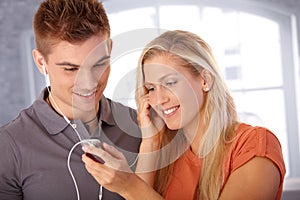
x,y
257,179
147,162
141,190
152,128
115,174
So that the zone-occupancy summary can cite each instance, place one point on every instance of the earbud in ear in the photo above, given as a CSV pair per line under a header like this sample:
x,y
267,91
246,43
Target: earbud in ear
x,y
44,70
47,81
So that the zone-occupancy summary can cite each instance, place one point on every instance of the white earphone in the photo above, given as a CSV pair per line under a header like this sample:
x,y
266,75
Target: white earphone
x,y
47,81
44,69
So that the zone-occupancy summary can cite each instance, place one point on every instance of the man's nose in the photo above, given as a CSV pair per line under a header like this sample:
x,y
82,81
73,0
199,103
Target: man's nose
x,y
86,79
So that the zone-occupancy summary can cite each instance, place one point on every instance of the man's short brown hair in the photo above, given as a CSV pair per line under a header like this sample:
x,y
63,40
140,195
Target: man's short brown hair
x,y
73,21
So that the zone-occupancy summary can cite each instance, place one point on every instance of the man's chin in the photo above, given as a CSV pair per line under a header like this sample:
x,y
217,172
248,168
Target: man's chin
x,y
84,109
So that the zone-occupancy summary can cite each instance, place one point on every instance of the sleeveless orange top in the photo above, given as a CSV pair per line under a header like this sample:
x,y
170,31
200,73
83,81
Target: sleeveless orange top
x,y
249,142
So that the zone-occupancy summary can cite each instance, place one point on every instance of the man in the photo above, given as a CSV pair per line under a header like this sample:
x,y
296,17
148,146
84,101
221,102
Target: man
x,y
41,154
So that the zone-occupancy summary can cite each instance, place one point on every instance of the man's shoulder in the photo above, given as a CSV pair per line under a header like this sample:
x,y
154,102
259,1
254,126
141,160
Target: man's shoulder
x,y
118,104
123,116
21,122
119,108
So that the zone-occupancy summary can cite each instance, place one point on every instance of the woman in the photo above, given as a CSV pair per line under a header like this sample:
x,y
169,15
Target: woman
x,y
194,146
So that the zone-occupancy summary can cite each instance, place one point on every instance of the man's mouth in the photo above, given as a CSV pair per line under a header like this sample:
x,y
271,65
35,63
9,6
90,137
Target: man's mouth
x,y
88,94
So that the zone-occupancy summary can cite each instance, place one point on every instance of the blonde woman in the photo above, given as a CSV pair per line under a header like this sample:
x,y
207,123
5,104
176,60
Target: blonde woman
x,y
193,146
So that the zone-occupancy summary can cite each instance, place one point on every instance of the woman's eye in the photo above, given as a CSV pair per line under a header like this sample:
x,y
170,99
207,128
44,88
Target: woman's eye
x,y
150,88
170,83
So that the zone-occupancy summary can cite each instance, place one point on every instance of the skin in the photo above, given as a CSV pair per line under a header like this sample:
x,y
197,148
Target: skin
x,y
258,179
115,174
78,75
172,95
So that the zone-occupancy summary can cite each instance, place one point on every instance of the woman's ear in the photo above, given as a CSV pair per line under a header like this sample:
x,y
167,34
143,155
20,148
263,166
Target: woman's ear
x,y
39,60
207,80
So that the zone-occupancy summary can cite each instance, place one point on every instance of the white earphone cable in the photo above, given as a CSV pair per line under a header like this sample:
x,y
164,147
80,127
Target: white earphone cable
x,y
70,170
74,146
72,175
60,112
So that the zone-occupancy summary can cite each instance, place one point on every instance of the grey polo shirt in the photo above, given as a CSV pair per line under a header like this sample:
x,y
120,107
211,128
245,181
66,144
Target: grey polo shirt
x,y
34,149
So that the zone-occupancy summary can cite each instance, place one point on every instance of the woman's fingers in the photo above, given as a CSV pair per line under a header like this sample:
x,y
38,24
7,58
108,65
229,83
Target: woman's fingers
x,y
111,179
149,125
113,151
144,111
112,158
114,174
98,152
103,174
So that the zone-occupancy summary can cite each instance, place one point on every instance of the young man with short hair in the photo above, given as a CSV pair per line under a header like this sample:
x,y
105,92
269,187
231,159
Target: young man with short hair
x,y
41,151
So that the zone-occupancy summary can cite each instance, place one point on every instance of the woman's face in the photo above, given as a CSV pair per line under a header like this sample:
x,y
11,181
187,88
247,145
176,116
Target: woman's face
x,y
174,92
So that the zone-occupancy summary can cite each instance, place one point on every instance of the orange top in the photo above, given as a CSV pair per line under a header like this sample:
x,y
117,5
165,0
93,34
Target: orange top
x,y
249,142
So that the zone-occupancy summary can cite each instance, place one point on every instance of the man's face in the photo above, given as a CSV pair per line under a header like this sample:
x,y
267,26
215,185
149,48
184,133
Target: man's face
x,y
78,75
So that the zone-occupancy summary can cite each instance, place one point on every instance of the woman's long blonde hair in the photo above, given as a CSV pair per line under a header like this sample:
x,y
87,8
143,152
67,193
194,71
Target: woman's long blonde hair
x,y
219,109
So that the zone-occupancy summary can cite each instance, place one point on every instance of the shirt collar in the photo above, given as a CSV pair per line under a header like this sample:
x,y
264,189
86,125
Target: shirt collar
x,y
55,123
52,121
106,112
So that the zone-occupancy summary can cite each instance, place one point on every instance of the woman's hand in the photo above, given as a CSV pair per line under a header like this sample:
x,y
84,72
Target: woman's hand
x,y
115,174
152,127
150,123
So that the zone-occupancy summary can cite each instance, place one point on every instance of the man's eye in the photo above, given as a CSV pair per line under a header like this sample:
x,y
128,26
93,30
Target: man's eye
x,y
102,64
70,69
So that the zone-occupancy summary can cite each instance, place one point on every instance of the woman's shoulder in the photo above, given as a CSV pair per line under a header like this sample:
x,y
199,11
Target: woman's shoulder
x,y
246,132
254,141
251,141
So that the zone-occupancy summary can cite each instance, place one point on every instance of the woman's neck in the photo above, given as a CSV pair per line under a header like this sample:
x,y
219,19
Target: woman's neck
x,y
194,133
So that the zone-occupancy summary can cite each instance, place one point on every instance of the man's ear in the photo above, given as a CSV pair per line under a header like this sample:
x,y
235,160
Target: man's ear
x,y
207,80
39,60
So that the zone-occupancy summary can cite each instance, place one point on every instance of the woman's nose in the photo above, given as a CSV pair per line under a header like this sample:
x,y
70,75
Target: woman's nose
x,y
162,95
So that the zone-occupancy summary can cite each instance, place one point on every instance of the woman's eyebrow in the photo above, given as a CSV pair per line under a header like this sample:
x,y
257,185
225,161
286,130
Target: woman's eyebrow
x,y
161,79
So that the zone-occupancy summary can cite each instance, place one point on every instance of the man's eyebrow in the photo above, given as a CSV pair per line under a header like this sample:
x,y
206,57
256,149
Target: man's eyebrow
x,y
65,63
103,58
